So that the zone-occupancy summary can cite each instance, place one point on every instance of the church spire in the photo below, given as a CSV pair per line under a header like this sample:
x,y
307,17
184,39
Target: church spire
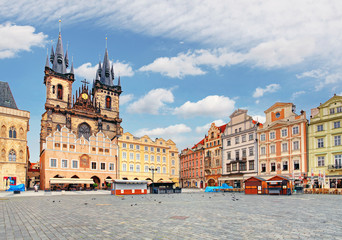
x,y
59,63
106,76
47,59
72,65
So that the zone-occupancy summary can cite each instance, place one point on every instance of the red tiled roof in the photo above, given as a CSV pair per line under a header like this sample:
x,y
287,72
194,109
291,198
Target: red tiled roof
x,y
200,142
222,128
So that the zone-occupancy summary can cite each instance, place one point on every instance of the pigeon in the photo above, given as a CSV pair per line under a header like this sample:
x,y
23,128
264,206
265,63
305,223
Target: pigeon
x,y
53,201
85,203
159,202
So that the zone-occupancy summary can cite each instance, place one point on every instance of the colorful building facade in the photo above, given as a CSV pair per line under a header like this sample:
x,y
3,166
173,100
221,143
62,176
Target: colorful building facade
x,y
324,143
239,149
14,125
213,157
282,146
192,166
138,156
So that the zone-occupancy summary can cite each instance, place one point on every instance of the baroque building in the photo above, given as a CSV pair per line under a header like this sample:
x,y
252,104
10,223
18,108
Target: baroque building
x,y
14,154
91,112
192,166
324,142
138,156
239,149
282,146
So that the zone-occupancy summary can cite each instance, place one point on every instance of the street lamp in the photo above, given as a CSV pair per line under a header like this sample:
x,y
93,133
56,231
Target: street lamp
x,y
153,170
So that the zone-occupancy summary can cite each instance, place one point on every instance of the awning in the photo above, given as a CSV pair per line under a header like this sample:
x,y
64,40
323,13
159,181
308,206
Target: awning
x,y
228,178
71,181
273,182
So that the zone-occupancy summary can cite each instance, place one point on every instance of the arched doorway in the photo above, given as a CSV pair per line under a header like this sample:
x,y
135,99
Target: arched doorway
x,y
96,181
75,176
201,186
211,182
108,182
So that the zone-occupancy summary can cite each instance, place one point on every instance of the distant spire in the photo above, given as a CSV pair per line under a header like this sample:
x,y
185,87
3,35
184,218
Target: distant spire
x,y
59,63
52,55
106,74
47,59
119,83
72,65
112,72
66,59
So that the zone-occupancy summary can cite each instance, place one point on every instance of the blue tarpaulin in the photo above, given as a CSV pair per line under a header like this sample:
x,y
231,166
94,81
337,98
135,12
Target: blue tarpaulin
x,y
20,187
225,185
217,189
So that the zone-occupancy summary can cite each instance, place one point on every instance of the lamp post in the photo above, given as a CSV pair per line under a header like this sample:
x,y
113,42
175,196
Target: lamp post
x,y
153,170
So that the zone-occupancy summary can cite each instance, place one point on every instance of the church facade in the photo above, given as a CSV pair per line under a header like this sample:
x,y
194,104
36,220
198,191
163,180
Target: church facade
x,y
79,130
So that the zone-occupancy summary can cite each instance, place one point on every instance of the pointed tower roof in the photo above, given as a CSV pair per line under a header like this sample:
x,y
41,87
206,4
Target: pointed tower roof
x,y
106,74
47,64
6,97
72,68
52,55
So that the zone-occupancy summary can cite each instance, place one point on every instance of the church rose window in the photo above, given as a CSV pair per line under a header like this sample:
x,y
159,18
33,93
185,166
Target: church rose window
x,y
108,101
84,129
59,92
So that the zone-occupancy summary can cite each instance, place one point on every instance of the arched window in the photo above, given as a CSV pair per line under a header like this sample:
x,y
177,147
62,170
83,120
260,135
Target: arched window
x,y
84,129
58,127
12,156
60,91
108,102
53,89
12,133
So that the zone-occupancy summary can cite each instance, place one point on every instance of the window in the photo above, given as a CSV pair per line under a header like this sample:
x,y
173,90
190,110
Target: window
x,y
58,127
263,167
296,165
337,124
164,169
173,154
244,153
124,145
228,167
262,137
103,166
127,137
250,137
332,110
131,146
152,158
239,129
234,167
263,150
339,109
12,156
272,135
320,161
320,142
158,158
84,130
64,163
53,161
111,167
53,89
296,145
164,159
124,167
243,138
146,158
93,165
137,168
60,91
164,150
131,167
146,168
273,167
158,169
251,151
228,142
237,155
173,162
131,156
337,140
285,166
158,149
319,128
74,164
272,148
137,156
152,149
124,155
237,140
137,147
284,147
338,161
243,166
284,132
108,102
295,130
146,148
251,165
12,133
172,171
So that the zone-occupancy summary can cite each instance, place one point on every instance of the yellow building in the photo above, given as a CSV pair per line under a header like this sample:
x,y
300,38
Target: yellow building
x,y
139,155
324,142
13,140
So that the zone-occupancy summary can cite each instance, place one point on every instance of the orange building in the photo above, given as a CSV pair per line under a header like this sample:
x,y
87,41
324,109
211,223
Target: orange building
x,y
213,155
282,143
67,157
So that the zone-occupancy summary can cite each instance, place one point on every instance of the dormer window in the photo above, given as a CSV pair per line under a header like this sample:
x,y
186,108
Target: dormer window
x,y
60,91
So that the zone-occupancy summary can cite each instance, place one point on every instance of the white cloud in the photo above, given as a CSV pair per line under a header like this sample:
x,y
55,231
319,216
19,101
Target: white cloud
x,y
259,92
296,94
259,118
257,101
213,106
204,129
126,98
323,77
153,102
169,131
88,71
15,38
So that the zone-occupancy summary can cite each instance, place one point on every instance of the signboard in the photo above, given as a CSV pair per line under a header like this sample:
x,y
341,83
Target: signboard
x,y
10,181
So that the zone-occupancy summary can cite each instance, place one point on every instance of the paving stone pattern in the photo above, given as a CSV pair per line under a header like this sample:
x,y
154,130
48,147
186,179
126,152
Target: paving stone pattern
x,y
178,216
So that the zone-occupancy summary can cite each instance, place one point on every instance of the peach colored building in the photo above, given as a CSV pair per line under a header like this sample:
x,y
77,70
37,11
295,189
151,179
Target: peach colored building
x,y
282,143
66,156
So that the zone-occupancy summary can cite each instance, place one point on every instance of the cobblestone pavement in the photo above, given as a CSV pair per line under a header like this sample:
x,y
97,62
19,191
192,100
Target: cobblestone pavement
x,y
179,216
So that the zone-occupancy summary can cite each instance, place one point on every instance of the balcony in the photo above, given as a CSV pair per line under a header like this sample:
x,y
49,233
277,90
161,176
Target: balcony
x,y
334,167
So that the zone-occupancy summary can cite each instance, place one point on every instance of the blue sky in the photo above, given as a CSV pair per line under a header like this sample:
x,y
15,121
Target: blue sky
x,y
183,64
